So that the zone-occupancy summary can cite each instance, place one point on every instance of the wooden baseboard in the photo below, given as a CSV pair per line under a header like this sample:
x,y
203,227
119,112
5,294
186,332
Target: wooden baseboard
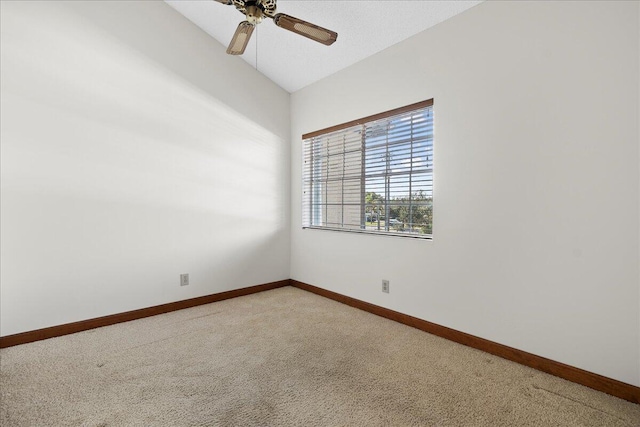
x,y
597,382
576,375
83,325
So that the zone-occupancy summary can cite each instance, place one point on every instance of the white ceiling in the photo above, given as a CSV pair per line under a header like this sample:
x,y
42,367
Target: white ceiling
x,y
292,61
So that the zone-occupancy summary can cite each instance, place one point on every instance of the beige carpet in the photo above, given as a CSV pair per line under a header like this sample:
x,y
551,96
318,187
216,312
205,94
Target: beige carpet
x,y
283,358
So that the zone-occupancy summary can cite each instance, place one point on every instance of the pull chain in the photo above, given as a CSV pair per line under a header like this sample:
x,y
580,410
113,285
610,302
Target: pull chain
x,y
256,48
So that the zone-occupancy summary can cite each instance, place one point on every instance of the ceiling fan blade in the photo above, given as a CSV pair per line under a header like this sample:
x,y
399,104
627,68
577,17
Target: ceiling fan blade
x,y
227,2
314,32
240,38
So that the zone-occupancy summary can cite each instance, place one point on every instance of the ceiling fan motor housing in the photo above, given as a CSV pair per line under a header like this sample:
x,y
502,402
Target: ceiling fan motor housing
x,y
256,10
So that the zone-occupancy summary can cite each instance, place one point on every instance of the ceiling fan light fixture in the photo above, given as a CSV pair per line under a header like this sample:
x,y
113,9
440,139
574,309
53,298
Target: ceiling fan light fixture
x,y
254,15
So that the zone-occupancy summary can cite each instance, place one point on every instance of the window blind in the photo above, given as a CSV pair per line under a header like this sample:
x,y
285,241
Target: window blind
x,y
373,175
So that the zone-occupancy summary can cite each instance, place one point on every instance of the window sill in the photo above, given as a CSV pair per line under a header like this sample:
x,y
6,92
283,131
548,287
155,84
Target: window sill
x,y
377,233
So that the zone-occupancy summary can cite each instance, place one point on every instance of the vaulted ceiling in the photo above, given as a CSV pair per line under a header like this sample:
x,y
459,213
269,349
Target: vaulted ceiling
x,y
293,62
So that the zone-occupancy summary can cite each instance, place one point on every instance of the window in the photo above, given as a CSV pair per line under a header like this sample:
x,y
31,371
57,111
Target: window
x,y
373,175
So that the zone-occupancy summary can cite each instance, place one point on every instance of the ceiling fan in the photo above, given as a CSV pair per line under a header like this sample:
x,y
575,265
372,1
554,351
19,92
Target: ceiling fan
x,y
257,10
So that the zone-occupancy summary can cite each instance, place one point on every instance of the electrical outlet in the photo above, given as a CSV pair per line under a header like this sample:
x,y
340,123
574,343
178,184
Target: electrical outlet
x,y
385,286
184,279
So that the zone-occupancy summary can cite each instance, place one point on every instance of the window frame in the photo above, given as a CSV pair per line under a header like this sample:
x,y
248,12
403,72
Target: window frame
x,y
369,120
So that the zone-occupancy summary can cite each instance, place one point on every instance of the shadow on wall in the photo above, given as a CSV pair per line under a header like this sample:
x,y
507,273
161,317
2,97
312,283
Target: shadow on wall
x,y
156,32
129,127
121,171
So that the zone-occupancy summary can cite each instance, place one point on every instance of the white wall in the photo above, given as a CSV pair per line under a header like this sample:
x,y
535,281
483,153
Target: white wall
x,y
536,217
133,150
